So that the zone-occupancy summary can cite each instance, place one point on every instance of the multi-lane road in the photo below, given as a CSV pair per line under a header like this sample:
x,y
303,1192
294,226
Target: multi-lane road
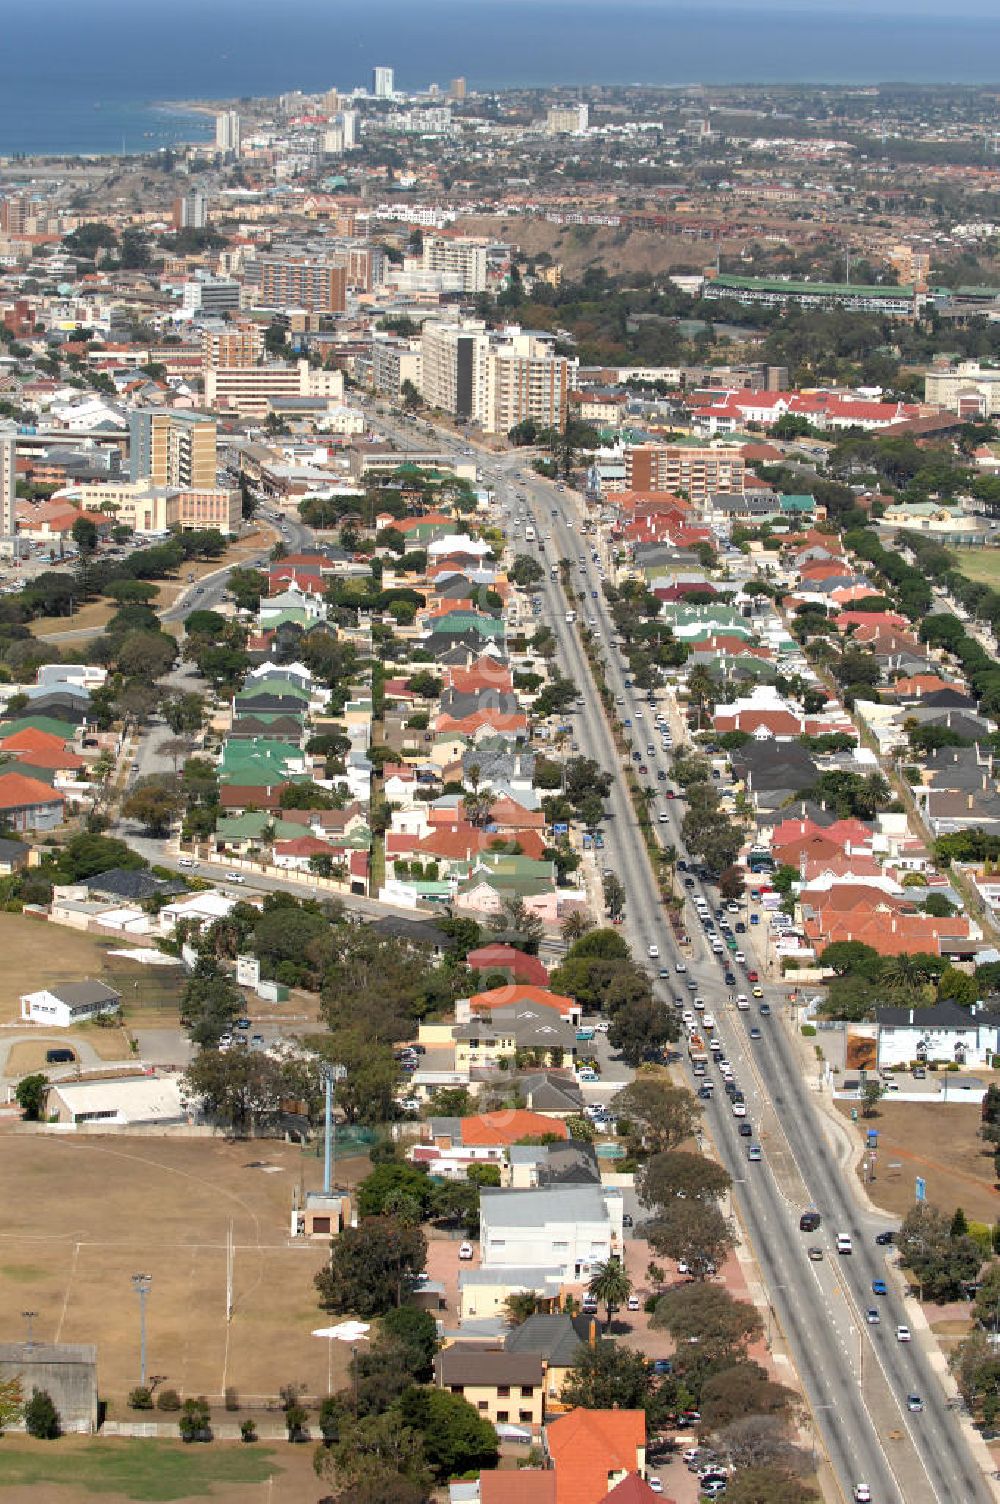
x,y
857,1375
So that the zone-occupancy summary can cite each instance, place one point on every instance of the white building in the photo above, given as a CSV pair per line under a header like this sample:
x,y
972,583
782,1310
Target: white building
x,y
227,132
567,120
460,257
945,1033
129,1101
494,379
383,83
568,1228
8,493
68,1003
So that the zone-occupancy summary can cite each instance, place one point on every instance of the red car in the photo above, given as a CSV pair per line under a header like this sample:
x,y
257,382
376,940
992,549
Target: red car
x,y
671,794
752,976
643,768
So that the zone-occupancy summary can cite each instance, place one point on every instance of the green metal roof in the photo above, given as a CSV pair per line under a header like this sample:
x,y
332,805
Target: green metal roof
x,y
825,289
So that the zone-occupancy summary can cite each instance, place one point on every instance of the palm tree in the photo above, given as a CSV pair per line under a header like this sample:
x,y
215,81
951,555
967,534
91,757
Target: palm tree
x,y
610,1282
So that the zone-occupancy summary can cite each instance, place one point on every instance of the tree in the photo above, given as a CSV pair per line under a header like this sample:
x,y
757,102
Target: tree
x,y
30,1095
154,807
761,1441
184,713
392,1180
847,956
372,1266
368,1091
608,1377
664,1115
381,1488
415,1332
680,1173
526,571
11,1403
694,1232
610,1282
519,1306
373,1450
242,1088
639,1029
942,1265
456,1438
84,535
194,1423
872,1093
956,986
614,895
744,1389
41,1418
146,655
211,1004
706,1314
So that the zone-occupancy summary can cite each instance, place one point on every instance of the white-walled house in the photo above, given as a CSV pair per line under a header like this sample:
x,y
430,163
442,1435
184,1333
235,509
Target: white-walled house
x,y
69,1003
563,1228
945,1033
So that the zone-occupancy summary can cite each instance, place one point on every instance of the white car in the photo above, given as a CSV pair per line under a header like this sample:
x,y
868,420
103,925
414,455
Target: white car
x,y
465,1251
862,1494
654,1485
742,1002
739,1109
186,861
653,952
235,877
903,1334
709,1020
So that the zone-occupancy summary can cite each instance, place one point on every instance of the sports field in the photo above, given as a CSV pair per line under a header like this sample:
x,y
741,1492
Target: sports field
x,y
83,1214
980,564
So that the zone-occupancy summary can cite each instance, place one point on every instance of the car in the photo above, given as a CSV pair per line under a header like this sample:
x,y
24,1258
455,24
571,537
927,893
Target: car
x,y
809,1221
903,1333
236,877
730,979
756,1033
654,1485
816,1254
589,1306
914,1404
872,1316
879,1287
663,973
59,1055
706,1091
752,976
742,1002
186,861
465,1251
883,1239
758,991
765,1010
745,1130
653,952
633,1303
662,1366
754,1153
845,1243
663,817
739,1109
919,1073
862,1494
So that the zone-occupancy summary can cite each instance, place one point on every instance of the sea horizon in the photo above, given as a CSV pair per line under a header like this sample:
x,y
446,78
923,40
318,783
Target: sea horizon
x,y
106,90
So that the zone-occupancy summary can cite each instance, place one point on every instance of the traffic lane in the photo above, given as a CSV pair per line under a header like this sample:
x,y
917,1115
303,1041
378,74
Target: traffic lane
x,y
848,1432
941,1445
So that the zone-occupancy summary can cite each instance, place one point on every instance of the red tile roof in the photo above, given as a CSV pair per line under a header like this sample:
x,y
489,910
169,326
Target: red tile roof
x,y
508,1126
17,791
588,1447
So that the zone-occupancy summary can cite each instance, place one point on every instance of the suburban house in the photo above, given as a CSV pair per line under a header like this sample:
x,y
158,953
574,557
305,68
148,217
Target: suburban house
x,y
28,803
944,1032
450,1145
68,1003
594,1450
504,1386
565,1228
556,1339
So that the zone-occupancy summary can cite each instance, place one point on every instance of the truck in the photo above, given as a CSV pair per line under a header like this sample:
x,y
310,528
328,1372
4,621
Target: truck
x,y
529,535
696,1050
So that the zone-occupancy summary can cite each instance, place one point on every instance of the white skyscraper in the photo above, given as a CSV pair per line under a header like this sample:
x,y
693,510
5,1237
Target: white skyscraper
x,y
349,126
383,83
227,132
8,493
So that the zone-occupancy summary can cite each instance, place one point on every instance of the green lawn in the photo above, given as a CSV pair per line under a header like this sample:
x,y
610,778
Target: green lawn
x,y
980,564
136,1469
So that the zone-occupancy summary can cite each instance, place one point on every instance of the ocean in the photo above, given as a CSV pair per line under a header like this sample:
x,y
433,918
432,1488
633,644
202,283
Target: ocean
x,y
91,78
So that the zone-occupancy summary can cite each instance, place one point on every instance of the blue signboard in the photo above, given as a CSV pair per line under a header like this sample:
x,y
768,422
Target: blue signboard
x,y
921,1188
560,828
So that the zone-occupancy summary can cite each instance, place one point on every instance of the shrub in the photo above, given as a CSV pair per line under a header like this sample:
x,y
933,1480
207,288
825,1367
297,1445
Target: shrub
x,y
808,1031
248,1430
195,1424
168,1399
41,1418
140,1398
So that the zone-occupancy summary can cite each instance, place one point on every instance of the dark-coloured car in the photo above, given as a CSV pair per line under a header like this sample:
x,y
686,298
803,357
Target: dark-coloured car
x,y
745,1130
883,1239
809,1221
765,1010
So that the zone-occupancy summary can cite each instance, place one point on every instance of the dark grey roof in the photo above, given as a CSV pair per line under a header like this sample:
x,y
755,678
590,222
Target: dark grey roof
x,y
784,765
465,1364
570,1163
554,1338
125,882
550,1092
83,994
946,1015
416,931
10,851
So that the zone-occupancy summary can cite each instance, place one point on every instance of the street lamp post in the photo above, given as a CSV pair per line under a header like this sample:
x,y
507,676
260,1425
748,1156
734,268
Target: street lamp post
x,y
141,1284
29,1317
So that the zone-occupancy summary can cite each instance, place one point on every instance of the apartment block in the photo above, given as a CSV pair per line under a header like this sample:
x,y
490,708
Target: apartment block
x,y
460,257
454,368
526,379
969,389
211,296
393,362
172,448
228,132
249,389
688,469
148,508
495,380
567,120
383,83
316,286
8,493
233,345
190,211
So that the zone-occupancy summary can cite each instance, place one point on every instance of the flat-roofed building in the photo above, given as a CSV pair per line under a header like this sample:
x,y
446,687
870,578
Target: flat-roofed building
x,y
249,389
695,471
